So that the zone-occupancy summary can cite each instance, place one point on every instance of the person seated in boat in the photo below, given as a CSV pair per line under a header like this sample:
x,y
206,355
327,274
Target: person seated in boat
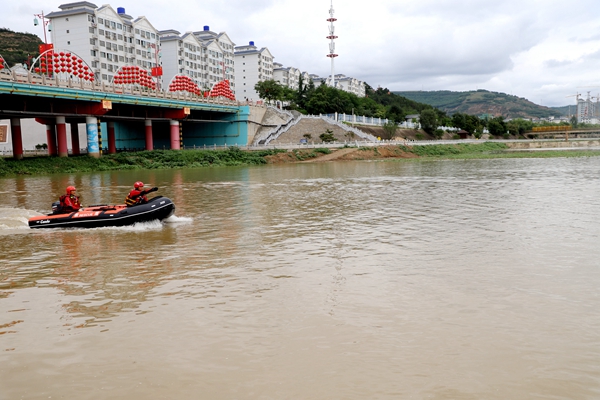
x,y
138,194
69,202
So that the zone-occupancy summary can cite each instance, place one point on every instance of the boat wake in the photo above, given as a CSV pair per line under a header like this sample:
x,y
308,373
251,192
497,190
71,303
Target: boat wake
x,y
174,219
12,219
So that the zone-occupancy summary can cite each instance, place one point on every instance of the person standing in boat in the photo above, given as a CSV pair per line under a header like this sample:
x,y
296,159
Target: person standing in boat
x,y
70,202
138,194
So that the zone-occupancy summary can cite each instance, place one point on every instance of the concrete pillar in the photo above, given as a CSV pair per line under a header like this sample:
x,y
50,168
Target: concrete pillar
x,y
91,128
51,139
112,147
175,141
100,147
61,136
75,138
17,138
149,141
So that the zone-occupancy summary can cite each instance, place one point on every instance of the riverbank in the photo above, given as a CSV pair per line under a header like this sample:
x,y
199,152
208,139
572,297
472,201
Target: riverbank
x,y
173,159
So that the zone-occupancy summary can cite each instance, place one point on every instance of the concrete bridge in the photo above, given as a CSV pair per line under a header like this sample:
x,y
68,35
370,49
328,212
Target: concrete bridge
x,y
119,116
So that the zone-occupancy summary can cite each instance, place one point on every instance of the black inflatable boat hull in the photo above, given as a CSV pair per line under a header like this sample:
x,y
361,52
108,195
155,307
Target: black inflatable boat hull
x,y
157,208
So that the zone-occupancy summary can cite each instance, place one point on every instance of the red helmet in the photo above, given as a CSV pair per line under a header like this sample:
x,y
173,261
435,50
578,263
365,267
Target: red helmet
x,y
70,189
138,184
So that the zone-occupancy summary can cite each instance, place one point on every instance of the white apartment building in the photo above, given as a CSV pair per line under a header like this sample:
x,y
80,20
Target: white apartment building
x,y
286,76
104,38
350,85
183,55
224,58
342,82
252,65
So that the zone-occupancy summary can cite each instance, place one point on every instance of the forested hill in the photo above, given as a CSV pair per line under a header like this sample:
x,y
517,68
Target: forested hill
x,y
16,47
482,102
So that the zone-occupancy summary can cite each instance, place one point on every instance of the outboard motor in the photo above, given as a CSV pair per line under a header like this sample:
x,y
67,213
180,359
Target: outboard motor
x,y
56,207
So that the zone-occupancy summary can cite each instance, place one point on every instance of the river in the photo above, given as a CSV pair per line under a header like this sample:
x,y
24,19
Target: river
x,y
352,280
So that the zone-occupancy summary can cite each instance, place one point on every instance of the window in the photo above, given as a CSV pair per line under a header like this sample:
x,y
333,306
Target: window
x,y
153,36
93,53
102,43
92,30
92,41
137,31
121,59
102,54
100,21
103,66
120,26
101,32
104,77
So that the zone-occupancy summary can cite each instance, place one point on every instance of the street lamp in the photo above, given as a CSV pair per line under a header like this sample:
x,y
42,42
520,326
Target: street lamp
x,y
43,48
45,24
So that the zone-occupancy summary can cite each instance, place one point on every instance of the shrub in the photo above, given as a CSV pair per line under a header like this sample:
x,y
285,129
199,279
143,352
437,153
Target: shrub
x,y
327,137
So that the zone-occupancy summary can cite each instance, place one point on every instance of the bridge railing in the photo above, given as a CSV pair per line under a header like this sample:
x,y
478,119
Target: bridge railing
x,y
28,78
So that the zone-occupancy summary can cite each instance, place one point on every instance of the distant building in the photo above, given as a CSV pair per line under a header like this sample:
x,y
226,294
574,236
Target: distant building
x,y
104,38
286,76
252,65
220,60
587,110
182,55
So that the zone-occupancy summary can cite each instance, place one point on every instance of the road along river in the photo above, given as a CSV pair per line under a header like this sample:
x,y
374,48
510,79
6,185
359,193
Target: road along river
x,y
352,280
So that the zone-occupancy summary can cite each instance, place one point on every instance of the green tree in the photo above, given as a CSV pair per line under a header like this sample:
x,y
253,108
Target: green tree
x,y
573,121
269,90
389,130
428,120
496,126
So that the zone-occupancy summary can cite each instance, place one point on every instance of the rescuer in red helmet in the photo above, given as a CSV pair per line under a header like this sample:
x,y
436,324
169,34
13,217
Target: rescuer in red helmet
x,y
70,202
138,194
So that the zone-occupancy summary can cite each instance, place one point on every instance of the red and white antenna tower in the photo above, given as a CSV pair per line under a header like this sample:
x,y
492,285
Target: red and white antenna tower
x,y
332,38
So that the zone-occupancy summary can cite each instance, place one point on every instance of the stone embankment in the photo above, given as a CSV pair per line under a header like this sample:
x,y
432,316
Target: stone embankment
x,y
312,128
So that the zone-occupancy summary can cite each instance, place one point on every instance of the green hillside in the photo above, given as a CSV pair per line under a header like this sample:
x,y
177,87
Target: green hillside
x,y
17,47
483,102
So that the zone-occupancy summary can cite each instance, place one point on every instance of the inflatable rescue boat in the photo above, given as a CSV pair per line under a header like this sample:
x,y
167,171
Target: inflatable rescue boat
x,y
98,216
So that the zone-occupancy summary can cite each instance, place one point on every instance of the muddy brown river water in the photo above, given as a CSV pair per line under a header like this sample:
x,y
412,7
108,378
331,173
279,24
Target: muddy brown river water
x,y
351,280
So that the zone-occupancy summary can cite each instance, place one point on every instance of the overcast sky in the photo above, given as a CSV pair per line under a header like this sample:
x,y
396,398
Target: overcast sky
x,y
543,50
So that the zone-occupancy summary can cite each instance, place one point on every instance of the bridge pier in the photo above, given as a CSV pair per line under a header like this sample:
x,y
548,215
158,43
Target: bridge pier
x,y
175,140
61,136
149,141
112,147
75,138
51,139
17,138
91,127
